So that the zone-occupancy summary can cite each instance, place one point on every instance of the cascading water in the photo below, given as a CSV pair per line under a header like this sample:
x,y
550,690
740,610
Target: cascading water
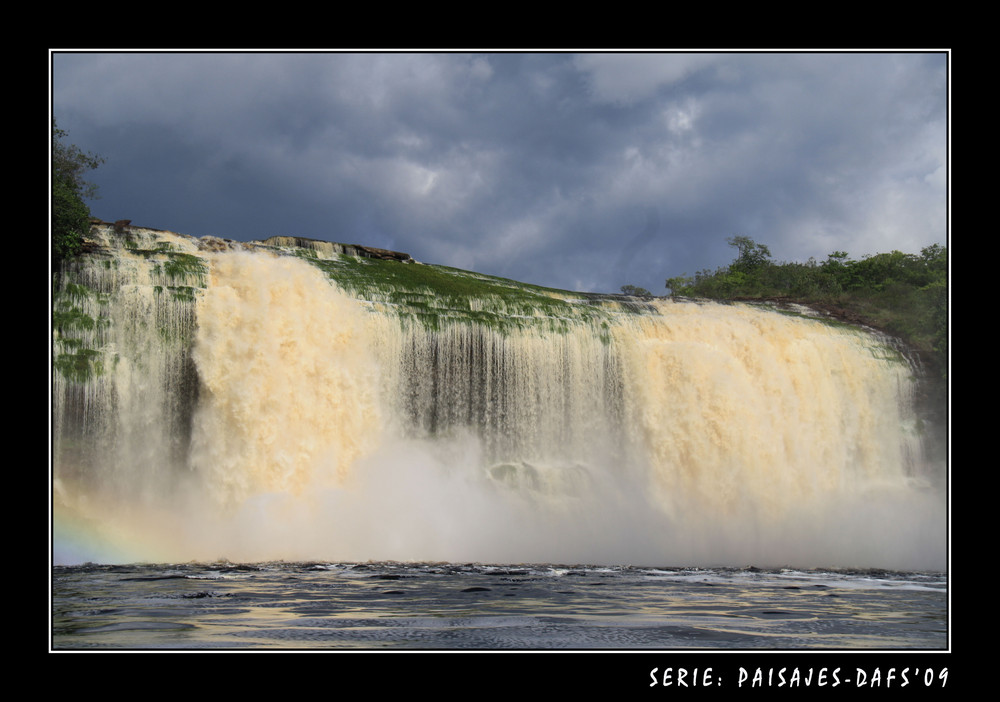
x,y
241,405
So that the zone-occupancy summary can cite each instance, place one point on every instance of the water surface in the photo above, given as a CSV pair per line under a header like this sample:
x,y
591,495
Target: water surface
x,y
379,606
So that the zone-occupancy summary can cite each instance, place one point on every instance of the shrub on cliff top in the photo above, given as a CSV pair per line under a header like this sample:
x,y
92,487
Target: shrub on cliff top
x,y
70,215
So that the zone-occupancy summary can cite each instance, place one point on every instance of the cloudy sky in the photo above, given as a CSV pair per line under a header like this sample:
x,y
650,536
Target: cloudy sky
x,y
584,171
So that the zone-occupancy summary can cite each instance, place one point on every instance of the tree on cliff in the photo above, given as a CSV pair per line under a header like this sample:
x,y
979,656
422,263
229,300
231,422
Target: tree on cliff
x,y
903,294
635,291
70,215
752,255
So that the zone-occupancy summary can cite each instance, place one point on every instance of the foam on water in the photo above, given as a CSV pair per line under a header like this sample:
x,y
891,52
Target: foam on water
x,y
324,428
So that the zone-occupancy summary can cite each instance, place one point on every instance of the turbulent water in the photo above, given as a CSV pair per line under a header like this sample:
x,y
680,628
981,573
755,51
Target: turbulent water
x,y
377,606
211,403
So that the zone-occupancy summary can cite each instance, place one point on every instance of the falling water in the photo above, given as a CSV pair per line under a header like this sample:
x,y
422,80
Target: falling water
x,y
243,405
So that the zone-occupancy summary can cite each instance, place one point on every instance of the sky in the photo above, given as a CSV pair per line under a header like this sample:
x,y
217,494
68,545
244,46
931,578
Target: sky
x,y
577,170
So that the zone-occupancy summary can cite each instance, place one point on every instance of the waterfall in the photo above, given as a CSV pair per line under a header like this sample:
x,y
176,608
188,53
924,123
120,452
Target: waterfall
x,y
272,401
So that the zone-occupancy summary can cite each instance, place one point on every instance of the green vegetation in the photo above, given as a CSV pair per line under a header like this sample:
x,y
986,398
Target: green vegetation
x,y
180,265
634,291
65,318
71,357
85,346
81,366
436,295
70,216
903,294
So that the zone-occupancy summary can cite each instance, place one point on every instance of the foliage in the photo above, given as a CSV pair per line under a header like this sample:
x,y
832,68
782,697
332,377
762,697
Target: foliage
x,y
903,294
437,294
751,254
635,291
679,283
70,215
70,218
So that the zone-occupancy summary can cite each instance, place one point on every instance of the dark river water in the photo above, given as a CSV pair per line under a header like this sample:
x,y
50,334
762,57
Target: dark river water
x,y
447,607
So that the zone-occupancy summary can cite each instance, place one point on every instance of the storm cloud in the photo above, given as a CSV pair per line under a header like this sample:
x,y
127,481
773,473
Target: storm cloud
x,y
584,171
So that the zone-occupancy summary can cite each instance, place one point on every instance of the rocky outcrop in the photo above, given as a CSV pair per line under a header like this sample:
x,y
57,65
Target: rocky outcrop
x,y
124,227
214,243
384,254
345,249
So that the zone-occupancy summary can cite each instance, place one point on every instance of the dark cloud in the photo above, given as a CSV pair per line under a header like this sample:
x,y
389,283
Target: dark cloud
x,y
579,171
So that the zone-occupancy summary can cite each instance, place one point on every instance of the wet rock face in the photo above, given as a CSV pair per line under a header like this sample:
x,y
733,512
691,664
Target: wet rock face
x,y
384,254
345,249
214,243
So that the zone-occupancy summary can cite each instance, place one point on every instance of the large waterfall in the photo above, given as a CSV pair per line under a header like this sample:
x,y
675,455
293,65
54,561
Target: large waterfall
x,y
294,400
